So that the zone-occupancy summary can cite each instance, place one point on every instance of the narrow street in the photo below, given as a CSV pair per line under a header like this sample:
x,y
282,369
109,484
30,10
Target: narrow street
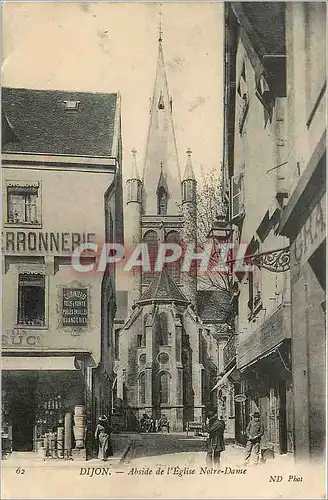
x,y
156,464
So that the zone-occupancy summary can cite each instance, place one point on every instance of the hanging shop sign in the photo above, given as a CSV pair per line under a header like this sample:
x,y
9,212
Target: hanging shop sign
x,y
74,307
240,398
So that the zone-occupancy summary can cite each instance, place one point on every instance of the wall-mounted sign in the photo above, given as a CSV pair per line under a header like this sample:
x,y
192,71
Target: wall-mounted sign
x,y
18,337
75,307
240,398
22,241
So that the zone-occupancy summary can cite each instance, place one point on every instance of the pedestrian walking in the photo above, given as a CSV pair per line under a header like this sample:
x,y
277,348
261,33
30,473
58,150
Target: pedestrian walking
x,y
254,433
215,442
102,435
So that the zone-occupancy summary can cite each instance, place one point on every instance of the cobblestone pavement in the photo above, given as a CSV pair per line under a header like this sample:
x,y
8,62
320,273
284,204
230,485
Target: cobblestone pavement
x,y
160,466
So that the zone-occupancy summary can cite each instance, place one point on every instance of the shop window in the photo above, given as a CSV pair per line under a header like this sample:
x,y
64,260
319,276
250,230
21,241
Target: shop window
x,y
164,387
142,388
174,268
31,300
23,203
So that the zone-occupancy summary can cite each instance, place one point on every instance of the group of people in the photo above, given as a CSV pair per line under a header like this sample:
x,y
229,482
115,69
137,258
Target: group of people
x,y
150,424
215,442
215,429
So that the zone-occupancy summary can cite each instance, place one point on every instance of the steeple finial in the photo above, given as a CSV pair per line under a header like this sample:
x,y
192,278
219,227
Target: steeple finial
x,y
134,172
160,27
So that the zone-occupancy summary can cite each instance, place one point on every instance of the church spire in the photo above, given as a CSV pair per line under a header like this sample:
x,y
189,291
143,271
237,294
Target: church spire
x,y
161,157
189,171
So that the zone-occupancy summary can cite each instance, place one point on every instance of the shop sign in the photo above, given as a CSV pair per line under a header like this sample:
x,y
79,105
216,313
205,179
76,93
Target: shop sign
x,y
18,337
75,307
312,233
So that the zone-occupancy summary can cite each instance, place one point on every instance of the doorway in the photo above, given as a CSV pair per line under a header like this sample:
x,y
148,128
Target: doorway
x,y
23,417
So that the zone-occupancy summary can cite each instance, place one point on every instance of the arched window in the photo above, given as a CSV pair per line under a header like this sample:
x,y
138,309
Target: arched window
x,y
163,329
142,388
143,334
162,201
173,268
164,387
151,240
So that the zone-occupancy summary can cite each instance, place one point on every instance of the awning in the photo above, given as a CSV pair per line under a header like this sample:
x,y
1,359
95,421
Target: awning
x,y
35,363
223,380
265,355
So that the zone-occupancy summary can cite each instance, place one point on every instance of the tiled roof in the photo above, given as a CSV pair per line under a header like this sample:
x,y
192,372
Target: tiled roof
x,y
42,125
212,305
162,289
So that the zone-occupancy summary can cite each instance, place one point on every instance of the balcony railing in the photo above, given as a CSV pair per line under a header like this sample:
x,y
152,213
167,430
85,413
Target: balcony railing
x,y
229,351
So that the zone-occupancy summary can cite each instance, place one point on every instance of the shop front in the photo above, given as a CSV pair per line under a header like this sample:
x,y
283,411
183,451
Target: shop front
x,y
42,406
268,389
264,363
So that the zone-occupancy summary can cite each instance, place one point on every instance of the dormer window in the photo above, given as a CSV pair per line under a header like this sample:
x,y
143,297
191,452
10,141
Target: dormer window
x,y
162,201
71,105
161,101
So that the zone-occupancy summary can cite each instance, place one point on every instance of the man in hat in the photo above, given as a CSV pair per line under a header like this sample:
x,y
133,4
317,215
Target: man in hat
x,y
215,442
254,432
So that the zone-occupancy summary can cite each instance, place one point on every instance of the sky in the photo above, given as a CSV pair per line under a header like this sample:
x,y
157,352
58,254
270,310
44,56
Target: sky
x,y
110,47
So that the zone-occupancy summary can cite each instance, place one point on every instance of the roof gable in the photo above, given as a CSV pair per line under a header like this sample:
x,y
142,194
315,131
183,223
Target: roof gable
x,y
162,289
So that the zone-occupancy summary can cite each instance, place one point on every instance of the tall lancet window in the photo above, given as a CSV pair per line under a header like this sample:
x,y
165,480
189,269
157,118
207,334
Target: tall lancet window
x,y
174,268
142,388
162,201
151,240
163,329
164,387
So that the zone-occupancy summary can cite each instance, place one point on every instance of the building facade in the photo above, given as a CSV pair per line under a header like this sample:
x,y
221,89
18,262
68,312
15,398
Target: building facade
x,y
255,152
61,156
168,360
304,221
275,183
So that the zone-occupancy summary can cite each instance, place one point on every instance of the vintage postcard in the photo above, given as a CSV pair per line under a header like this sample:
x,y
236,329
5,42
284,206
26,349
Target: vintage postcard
x,y
163,250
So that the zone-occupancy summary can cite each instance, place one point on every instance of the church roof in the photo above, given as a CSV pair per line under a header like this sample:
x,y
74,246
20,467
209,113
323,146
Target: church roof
x,y
60,122
162,289
161,149
212,305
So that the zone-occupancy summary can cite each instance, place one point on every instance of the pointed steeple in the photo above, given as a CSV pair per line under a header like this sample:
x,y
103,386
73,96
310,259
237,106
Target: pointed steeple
x,y
161,146
189,184
189,171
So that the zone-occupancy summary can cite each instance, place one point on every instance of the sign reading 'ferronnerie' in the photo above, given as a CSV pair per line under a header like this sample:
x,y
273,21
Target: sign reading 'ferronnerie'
x,y
75,307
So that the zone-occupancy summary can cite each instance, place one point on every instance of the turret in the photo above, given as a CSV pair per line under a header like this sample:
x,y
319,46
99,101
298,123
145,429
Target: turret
x,y
133,226
189,231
